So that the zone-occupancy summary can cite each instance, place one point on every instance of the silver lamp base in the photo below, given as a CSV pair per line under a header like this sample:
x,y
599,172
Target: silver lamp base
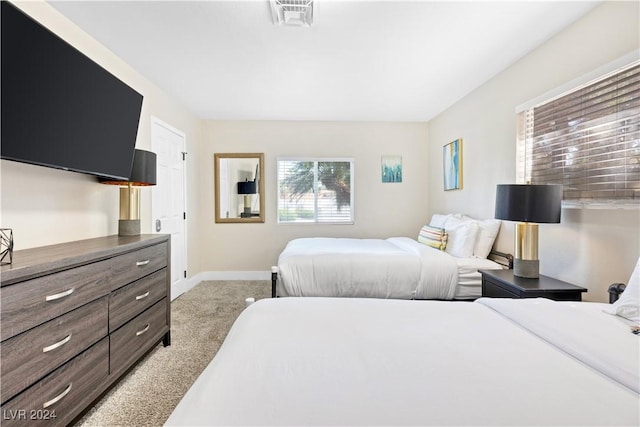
x,y
129,227
526,268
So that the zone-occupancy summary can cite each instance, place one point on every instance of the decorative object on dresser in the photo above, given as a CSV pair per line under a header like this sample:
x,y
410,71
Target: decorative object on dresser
x,y
6,246
143,173
76,317
505,284
528,205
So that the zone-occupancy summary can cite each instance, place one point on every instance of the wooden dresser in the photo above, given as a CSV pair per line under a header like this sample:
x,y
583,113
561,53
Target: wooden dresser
x,y
74,317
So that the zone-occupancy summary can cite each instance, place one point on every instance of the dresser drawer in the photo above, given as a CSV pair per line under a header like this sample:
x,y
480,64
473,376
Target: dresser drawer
x,y
59,398
135,265
131,300
136,337
27,304
31,355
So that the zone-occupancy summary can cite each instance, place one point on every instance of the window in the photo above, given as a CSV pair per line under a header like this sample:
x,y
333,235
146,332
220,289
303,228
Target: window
x,y
587,140
315,191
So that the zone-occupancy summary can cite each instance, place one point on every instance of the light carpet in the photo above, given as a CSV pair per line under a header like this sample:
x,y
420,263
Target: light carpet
x,y
200,320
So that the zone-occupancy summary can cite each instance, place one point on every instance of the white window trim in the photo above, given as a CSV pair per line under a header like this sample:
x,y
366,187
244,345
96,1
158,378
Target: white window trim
x,y
583,80
351,160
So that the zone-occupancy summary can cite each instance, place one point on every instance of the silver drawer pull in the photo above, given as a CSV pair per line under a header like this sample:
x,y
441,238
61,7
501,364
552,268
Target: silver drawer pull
x,y
143,296
146,328
142,263
56,345
60,295
57,398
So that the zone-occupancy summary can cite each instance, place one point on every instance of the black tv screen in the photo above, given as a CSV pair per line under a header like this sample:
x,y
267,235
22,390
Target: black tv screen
x,y
59,108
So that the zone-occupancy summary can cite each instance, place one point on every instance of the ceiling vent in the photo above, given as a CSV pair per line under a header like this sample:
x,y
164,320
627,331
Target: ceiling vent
x,y
298,13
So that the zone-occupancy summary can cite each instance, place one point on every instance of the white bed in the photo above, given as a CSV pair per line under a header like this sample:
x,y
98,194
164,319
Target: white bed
x,y
352,361
397,267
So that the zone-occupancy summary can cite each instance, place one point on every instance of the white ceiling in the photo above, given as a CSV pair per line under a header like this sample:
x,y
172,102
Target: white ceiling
x,y
360,61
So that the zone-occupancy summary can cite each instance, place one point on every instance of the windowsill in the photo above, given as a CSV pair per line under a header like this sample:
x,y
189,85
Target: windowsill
x,y
313,223
602,204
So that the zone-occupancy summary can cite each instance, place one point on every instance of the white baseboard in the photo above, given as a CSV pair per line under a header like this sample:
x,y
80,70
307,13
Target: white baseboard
x,y
235,275
185,285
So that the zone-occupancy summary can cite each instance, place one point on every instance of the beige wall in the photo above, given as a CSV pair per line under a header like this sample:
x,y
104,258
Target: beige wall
x,y
46,206
591,248
381,210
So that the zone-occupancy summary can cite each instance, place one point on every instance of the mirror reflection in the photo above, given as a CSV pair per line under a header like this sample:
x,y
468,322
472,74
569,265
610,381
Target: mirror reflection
x,y
239,187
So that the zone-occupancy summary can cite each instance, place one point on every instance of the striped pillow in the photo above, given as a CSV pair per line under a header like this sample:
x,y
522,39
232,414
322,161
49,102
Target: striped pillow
x,y
433,236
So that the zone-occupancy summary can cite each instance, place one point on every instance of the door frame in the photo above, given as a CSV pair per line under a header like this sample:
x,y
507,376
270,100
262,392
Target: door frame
x,y
183,283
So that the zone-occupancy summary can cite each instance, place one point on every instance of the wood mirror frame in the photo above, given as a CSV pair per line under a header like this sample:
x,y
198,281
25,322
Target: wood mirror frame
x,y
239,168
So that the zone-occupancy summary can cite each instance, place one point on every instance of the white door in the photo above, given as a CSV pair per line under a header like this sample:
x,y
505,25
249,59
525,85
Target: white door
x,y
168,200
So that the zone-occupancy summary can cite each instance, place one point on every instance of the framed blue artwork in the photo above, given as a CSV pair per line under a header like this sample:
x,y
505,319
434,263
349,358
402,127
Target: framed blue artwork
x,y
452,165
391,169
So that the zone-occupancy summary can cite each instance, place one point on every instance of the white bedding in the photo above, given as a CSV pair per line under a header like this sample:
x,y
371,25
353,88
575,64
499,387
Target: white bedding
x,y
348,361
598,339
469,279
398,268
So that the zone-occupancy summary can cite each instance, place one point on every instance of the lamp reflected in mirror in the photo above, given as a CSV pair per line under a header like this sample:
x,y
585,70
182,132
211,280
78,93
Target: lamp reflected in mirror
x,y
247,189
239,187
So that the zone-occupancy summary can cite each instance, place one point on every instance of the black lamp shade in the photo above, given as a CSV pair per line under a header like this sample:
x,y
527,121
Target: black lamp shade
x,y
143,171
247,187
529,203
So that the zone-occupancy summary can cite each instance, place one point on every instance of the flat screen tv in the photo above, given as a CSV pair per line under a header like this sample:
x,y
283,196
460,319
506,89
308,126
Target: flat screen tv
x,y
59,108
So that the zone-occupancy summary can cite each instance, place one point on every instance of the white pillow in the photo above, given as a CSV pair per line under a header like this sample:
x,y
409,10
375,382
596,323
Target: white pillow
x,y
438,220
489,229
462,237
628,305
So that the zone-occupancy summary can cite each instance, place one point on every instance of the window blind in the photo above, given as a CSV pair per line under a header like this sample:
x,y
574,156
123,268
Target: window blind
x,y
315,191
587,140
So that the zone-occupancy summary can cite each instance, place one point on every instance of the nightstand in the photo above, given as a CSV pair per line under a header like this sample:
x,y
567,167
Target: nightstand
x,y
503,284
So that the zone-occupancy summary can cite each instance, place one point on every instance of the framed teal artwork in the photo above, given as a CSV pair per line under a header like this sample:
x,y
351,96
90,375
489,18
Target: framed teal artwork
x,y
452,165
391,169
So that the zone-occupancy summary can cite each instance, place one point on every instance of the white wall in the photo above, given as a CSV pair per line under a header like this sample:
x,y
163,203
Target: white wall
x,y
47,206
590,248
381,210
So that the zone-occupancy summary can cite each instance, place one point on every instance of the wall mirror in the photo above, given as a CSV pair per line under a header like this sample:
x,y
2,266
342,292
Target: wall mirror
x,y
239,187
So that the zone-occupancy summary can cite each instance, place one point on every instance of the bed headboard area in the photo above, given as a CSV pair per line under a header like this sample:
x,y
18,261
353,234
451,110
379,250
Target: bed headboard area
x,y
467,237
501,258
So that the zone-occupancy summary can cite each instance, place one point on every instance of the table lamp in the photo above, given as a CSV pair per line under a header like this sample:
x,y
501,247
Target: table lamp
x,y
247,188
528,205
143,173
